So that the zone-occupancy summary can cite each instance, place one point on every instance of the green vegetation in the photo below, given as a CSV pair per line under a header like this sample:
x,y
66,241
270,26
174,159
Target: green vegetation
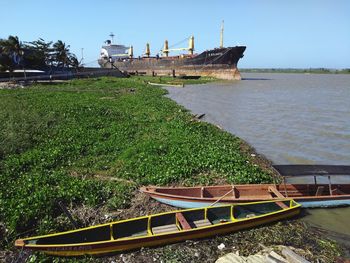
x,y
92,143
57,141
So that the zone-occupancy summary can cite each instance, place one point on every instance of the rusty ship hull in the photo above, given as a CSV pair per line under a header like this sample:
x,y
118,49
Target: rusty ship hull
x,y
219,63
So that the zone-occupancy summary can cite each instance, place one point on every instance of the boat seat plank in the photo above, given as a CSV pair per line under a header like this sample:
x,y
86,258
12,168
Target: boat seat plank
x,y
183,222
319,190
165,229
274,190
141,233
201,223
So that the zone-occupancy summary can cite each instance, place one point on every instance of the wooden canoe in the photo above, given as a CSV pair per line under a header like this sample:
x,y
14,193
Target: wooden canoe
x,y
308,195
160,229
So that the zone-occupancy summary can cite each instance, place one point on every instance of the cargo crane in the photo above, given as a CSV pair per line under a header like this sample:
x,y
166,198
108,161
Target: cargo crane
x,y
165,51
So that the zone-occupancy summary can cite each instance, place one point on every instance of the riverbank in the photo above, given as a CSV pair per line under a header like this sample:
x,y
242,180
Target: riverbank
x,y
92,143
296,70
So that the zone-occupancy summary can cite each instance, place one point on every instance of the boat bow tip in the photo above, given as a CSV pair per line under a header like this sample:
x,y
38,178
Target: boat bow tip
x,y
19,243
143,189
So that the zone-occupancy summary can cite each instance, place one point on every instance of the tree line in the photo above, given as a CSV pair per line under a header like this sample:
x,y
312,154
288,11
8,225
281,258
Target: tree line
x,y
38,54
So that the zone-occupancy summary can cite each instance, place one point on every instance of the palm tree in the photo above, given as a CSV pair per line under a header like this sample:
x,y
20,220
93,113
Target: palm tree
x,y
42,52
73,61
12,45
12,52
5,60
62,53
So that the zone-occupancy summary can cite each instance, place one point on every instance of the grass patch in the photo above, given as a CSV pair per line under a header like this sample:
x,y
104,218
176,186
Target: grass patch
x,y
56,140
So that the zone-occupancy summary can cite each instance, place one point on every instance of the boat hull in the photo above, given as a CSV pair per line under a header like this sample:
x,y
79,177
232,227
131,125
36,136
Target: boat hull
x,y
324,203
119,246
304,202
253,193
284,211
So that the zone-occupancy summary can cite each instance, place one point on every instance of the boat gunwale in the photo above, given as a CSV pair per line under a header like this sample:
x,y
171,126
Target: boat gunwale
x,y
293,205
240,199
131,245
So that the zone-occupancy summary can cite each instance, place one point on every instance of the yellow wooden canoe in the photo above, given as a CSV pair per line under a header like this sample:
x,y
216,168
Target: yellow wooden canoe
x,y
160,229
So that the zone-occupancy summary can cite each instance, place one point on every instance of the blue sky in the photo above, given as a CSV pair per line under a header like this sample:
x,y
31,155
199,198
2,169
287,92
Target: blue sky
x,y
298,33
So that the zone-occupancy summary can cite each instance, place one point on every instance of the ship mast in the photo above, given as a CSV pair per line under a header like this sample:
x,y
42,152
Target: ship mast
x,y
112,37
222,35
148,50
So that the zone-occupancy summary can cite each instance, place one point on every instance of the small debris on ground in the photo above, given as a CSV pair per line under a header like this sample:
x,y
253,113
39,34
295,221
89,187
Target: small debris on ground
x,y
221,246
10,85
267,255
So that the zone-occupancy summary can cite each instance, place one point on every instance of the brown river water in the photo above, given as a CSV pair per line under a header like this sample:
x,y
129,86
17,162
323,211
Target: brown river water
x,y
289,118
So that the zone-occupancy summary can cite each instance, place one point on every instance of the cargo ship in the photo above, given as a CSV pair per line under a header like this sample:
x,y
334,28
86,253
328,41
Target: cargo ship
x,y
218,62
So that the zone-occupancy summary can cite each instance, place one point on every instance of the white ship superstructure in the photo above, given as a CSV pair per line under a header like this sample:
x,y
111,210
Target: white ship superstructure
x,y
113,52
